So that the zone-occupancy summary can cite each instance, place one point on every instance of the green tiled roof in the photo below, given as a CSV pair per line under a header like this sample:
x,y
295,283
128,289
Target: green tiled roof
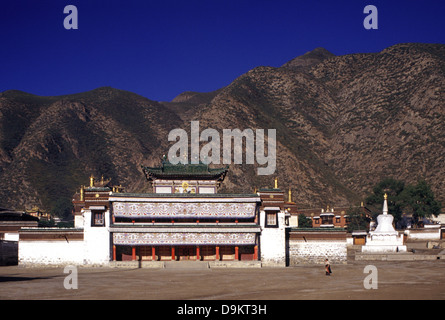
x,y
97,189
185,171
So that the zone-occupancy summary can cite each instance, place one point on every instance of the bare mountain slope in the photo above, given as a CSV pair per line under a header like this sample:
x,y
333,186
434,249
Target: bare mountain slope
x,y
61,141
344,122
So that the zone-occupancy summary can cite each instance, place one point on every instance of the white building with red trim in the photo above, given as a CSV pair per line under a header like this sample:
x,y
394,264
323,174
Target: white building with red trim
x,y
184,218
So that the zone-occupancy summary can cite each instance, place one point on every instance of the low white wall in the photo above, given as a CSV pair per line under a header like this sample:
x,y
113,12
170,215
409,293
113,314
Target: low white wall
x,y
428,233
51,252
316,251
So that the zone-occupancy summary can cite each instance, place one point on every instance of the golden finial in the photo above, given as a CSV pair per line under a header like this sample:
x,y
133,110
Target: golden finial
x,y
81,193
91,181
385,196
290,195
276,183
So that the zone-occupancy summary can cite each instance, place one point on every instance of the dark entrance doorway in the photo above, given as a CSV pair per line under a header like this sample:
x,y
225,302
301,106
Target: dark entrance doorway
x,y
186,253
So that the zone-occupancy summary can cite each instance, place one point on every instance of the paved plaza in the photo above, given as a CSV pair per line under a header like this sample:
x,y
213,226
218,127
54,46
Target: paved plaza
x,y
395,280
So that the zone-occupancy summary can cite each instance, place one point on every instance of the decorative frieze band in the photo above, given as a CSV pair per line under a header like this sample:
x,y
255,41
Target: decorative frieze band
x,y
183,210
184,238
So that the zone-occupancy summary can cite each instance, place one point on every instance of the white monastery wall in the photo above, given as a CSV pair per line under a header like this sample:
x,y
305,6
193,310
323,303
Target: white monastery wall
x,y
50,252
316,251
427,233
92,250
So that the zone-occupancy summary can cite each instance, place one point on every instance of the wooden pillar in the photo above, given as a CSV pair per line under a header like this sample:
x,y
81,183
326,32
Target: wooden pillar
x,y
255,253
153,253
173,254
197,253
133,253
114,252
236,252
217,253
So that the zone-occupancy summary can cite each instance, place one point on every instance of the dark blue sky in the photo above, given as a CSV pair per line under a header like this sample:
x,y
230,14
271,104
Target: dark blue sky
x,y
161,48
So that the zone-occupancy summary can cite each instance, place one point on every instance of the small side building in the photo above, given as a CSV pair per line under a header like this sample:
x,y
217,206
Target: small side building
x,y
331,217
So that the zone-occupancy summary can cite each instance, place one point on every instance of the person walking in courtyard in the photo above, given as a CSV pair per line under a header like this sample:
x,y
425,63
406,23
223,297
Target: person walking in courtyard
x,y
327,267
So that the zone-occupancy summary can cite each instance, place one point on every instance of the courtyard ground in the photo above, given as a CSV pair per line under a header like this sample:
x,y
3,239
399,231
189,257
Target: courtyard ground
x,y
395,280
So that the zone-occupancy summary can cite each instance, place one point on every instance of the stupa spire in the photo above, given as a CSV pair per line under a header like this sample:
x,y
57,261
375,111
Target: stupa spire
x,y
385,204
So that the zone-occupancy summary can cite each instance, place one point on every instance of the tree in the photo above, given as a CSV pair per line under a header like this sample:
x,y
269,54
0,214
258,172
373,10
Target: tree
x,y
419,199
357,219
396,201
303,221
62,208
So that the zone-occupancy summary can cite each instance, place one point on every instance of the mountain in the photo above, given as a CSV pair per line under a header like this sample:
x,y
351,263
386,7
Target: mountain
x,y
343,123
51,145
309,59
186,103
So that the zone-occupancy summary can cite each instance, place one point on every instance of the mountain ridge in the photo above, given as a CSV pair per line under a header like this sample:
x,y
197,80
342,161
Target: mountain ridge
x,y
309,59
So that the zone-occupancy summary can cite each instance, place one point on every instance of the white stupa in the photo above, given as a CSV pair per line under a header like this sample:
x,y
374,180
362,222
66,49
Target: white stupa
x,y
384,238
